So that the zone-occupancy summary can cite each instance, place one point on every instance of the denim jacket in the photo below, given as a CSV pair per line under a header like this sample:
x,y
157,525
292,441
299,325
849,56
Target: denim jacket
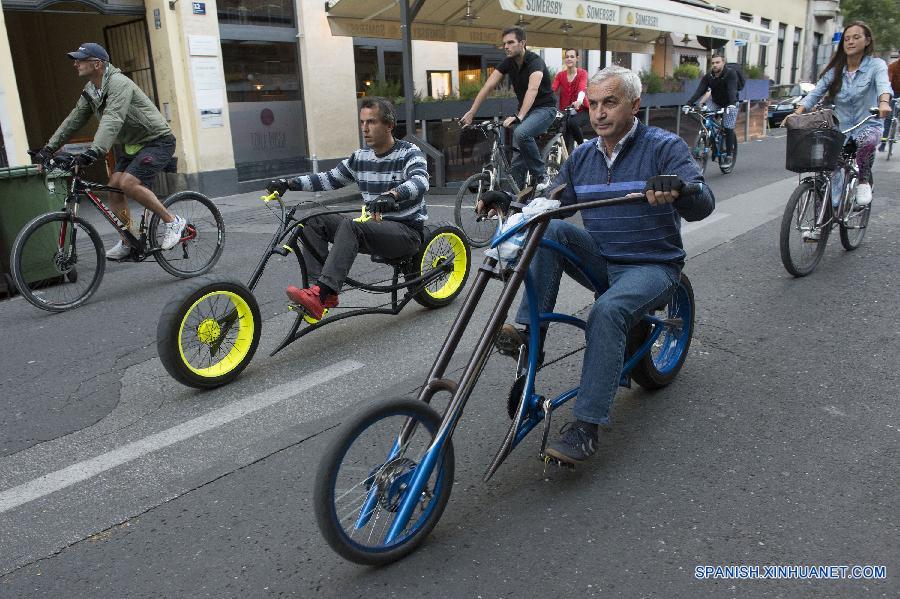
x,y
856,97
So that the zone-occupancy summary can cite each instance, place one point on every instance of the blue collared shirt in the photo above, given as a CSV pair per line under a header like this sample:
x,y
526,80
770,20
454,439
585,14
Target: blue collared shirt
x,y
858,93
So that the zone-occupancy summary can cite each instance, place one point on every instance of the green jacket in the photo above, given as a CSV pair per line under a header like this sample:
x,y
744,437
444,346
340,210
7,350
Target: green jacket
x,y
125,112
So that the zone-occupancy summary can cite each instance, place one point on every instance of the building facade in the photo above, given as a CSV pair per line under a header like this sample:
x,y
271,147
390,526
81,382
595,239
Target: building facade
x,y
255,89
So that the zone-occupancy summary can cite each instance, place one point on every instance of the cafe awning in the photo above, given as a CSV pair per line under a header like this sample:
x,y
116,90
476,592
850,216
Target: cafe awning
x,y
631,25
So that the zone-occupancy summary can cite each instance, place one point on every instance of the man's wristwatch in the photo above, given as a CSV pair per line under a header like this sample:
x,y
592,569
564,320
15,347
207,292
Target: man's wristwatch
x,y
517,119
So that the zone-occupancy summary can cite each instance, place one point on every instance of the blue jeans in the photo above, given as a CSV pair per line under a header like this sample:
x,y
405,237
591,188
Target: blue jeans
x,y
528,158
631,291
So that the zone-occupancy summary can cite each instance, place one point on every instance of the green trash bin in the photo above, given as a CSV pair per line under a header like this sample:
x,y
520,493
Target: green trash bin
x,y
24,194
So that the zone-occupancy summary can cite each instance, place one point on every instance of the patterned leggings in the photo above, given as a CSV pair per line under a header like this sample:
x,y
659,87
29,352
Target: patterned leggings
x,y
867,139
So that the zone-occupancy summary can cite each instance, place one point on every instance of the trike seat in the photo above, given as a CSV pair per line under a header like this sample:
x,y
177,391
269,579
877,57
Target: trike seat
x,y
404,260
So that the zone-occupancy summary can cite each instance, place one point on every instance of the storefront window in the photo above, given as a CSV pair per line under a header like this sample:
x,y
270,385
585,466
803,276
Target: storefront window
x,y
366,59
262,81
256,71
273,13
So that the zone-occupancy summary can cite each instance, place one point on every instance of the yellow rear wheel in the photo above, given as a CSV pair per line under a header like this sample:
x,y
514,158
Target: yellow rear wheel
x,y
444,245
207,336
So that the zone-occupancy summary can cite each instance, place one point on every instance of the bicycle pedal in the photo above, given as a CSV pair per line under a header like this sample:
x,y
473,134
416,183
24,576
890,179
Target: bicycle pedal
x,y
548,460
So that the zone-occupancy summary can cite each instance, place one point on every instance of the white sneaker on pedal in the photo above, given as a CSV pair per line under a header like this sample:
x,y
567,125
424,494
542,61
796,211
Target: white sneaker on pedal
x,y
173,233
811,235
118,251
863,194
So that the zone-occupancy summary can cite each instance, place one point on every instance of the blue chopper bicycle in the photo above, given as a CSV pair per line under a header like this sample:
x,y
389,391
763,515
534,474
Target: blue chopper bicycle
x,y
386,479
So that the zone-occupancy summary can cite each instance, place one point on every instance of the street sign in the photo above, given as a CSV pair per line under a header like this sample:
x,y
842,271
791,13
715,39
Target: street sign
x,y
199,8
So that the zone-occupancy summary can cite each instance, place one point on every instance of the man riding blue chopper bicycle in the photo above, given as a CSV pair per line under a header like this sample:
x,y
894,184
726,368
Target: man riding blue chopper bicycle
x,y
386,479
635,248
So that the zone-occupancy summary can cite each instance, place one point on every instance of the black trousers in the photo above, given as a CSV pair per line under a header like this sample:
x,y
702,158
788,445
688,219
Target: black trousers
x,y
390,239
573,129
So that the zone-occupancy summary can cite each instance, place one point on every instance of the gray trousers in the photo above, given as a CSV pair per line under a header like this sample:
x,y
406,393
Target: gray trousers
x,y
390,239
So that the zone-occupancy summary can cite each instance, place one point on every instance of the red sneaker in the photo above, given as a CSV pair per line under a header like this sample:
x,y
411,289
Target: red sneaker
x,y
309,299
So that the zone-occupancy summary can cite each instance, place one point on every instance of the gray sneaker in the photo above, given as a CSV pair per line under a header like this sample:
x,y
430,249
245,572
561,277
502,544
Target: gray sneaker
x,y
576,445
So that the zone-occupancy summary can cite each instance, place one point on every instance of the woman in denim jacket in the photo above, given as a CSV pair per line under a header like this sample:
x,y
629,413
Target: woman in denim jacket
x,y
862,84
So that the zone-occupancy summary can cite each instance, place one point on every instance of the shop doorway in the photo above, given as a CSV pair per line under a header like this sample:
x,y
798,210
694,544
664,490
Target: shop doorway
x,y
47,83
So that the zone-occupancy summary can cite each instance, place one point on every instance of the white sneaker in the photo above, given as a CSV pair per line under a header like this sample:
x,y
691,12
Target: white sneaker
x,y
811,235
118,251
863,194
173,233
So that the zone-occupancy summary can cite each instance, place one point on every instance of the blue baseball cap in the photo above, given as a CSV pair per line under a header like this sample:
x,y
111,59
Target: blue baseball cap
x,y
89,50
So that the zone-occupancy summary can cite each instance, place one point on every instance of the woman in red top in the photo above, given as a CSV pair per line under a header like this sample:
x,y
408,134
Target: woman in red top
x,y
572,85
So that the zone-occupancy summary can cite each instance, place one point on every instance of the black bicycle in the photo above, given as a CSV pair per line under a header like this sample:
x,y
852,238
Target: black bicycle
x,y
57,259
496,175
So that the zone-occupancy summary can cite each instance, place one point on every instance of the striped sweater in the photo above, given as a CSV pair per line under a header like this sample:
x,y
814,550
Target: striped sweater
x,y
638,232
403,168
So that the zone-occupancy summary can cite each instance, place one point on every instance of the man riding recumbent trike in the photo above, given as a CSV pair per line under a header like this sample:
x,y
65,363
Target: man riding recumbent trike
x,y
208,335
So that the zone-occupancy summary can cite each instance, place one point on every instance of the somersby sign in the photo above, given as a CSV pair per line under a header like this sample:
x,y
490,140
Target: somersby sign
x,y
593,12
684,20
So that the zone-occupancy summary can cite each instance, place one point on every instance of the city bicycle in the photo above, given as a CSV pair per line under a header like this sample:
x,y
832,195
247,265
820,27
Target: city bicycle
x,y
710,142
209,332
387,476
893,131
823,199
496,175
57,259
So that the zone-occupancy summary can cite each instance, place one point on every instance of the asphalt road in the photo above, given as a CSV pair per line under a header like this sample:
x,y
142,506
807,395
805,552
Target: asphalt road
x,y
777,444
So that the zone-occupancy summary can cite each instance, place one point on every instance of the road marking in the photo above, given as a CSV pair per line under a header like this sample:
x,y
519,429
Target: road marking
x,y
706,221
55,481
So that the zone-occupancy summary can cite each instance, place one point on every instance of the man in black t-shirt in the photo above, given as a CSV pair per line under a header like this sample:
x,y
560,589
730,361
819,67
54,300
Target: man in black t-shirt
x,y
537,106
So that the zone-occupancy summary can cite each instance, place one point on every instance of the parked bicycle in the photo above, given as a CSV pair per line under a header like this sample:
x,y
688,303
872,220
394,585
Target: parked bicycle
x,y
385,480
496,175
893,131
710,142
57,259
823,199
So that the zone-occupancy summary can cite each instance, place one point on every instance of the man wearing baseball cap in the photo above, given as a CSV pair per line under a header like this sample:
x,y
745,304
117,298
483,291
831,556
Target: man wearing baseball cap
x,y
126,115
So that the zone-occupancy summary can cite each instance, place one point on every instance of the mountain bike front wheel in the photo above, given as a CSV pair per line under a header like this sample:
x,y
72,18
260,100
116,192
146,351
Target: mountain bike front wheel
x,y
201,242
479,230
207,335
801,243
365,477
700,151
57,261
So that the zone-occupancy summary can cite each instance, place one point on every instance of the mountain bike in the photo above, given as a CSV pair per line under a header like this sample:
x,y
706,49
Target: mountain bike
x,y
823,199
710,141
57,259
208,333
386,478
496,175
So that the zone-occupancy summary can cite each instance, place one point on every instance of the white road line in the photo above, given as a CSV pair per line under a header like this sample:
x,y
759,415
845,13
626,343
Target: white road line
x,y
55,481
689,227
